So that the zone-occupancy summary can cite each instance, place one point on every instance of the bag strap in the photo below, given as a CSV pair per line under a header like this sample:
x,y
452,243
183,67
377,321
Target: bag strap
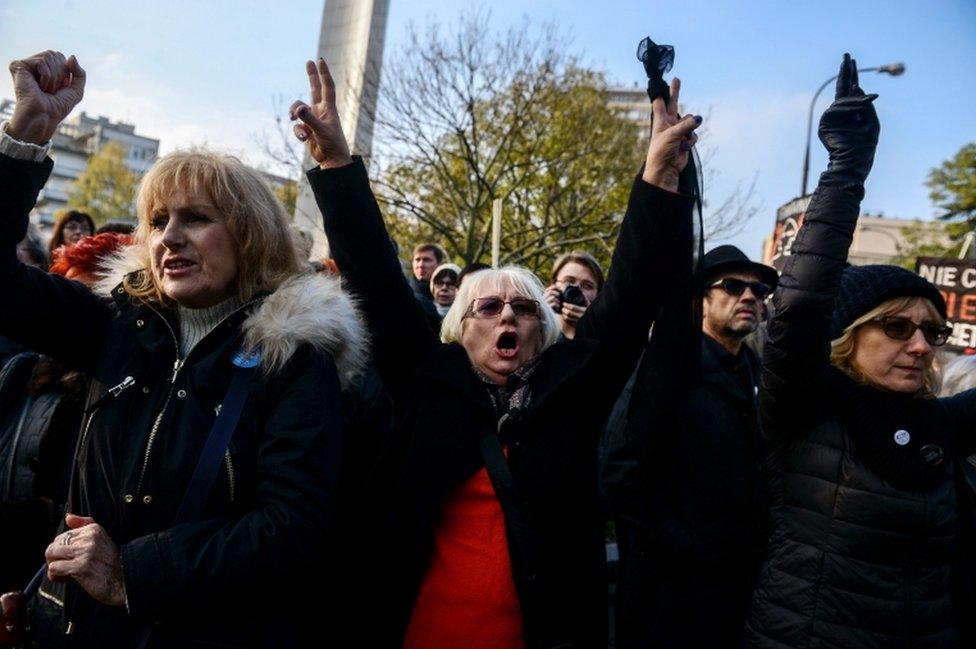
x,y
522,541
205,473
208,465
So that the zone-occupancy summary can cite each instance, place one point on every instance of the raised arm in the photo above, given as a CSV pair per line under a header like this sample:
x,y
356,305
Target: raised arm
x,y
47,87
798,351
401,338
654,248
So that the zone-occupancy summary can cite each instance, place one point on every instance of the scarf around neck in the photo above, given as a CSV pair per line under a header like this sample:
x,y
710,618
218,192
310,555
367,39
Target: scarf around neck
x,y
515,394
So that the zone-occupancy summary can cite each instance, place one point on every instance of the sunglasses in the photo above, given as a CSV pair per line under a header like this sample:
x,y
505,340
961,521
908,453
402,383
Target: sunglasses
x,y
900,328
736,287
491,306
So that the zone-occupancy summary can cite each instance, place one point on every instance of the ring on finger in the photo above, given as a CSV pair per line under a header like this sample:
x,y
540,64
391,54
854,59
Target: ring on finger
x,y
67,539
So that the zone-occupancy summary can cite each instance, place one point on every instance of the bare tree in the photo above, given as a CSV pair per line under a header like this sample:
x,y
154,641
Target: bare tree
x,y
467,116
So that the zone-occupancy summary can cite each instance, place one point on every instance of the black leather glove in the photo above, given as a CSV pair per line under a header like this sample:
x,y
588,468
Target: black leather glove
x,y
849,130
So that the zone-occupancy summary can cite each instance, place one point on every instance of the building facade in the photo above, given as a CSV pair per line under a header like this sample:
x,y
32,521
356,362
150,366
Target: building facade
x,y
76,140
632,103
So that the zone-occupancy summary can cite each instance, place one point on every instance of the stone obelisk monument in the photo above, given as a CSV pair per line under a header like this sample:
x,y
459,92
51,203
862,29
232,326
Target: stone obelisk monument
x,y
351,42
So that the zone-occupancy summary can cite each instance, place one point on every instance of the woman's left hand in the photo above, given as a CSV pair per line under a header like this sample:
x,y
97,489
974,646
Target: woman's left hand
x,y
320,129
671,141
86,554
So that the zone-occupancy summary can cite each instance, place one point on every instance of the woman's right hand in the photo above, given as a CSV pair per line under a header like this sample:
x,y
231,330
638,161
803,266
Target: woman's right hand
x,y
320,128
47,86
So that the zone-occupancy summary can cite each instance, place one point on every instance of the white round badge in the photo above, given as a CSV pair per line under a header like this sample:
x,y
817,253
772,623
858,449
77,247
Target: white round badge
x,y
902,437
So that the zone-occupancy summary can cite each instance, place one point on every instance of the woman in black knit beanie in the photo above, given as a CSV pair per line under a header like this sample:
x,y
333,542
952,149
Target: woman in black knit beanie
x,y
863,459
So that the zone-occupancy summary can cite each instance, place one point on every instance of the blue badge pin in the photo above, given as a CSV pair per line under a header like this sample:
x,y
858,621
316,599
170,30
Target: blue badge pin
x,y
247,358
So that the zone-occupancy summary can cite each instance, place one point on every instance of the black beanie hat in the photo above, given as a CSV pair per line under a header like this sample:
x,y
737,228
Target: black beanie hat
x,y
863,288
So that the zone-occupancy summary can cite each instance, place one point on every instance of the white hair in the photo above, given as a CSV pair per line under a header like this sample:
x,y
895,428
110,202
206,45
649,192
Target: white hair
x,y
494,281
959,375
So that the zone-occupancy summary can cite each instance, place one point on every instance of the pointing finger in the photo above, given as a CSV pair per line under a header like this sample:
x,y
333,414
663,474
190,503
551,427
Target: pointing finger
x,y
844,78
328,83
659,112
675,91
314,82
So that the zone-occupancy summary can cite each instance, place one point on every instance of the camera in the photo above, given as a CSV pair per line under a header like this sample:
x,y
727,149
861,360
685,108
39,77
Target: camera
x,y
572,294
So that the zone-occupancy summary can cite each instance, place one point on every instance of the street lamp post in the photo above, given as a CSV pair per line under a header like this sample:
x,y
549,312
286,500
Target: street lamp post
x,y
894,69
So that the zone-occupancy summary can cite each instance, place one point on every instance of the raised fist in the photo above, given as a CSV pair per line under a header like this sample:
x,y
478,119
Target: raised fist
x,y
47,87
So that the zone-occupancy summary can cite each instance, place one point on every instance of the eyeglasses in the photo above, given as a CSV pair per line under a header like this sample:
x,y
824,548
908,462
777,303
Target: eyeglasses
x,y
901,328
445,285
584,284
491,306
736,287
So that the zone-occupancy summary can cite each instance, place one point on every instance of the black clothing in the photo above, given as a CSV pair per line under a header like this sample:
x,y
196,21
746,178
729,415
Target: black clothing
x,y
693,525
40,413
264,522
864,287
442,409
864,547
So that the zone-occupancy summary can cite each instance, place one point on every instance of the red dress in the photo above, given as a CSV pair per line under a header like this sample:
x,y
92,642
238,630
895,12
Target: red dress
x,y
468,598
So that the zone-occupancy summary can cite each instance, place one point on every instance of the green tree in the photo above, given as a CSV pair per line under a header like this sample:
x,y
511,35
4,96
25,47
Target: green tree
x,y
470,116
929,239
107,188
952,186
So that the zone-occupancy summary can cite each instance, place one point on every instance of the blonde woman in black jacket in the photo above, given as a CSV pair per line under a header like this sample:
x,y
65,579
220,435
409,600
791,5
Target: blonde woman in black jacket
x,y
863,457
213,275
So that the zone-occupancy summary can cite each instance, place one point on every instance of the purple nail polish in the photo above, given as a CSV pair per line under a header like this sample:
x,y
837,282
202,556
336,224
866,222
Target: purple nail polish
x,y
303,112
698,119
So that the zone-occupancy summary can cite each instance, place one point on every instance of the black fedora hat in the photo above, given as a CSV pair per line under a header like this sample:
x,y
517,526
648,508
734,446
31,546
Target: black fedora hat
x,y
724,259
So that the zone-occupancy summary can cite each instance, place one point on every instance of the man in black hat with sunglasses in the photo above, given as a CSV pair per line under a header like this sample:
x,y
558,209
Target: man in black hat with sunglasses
x,y
692,524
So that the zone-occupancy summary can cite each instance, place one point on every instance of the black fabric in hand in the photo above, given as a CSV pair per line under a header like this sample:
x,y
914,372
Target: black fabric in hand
x,y
849,130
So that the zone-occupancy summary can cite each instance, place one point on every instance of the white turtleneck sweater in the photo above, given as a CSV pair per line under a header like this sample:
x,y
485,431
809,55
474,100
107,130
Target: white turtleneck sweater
x,y
197,323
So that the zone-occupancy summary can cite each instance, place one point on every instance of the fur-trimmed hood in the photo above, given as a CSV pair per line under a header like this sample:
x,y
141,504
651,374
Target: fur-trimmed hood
x,y
308,309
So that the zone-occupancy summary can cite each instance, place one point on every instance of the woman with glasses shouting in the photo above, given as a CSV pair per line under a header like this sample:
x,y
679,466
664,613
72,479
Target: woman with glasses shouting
x,y
482,525
863,457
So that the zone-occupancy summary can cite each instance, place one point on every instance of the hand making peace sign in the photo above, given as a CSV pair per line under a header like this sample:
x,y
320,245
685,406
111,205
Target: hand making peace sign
x,y
320,128
671,141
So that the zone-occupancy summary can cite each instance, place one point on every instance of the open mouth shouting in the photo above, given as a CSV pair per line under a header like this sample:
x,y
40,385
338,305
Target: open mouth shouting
x,y
507,345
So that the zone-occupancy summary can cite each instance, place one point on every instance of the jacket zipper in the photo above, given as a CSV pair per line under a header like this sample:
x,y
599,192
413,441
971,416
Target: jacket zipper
x,y
230,473
115,391
90,411
177,366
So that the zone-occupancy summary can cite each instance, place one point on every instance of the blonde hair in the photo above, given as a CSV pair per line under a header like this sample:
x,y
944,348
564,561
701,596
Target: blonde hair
x,y
267,254
493,281
843,347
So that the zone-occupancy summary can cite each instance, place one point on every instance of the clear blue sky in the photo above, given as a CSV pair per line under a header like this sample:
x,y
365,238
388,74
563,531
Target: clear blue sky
x,y
194,72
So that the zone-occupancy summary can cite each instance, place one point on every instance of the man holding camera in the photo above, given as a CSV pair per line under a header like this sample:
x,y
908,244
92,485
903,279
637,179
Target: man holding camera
x,y
576,281
685,482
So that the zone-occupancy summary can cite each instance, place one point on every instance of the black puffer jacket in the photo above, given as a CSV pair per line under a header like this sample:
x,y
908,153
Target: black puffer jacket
x,y
854,561
441,410
40,414
235,577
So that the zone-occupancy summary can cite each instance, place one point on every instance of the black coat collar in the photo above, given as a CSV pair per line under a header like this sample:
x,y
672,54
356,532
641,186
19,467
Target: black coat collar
x,y
717,372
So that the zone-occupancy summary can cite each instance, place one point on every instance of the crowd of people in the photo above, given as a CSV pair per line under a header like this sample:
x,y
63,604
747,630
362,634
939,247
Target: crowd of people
x,y
206,440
